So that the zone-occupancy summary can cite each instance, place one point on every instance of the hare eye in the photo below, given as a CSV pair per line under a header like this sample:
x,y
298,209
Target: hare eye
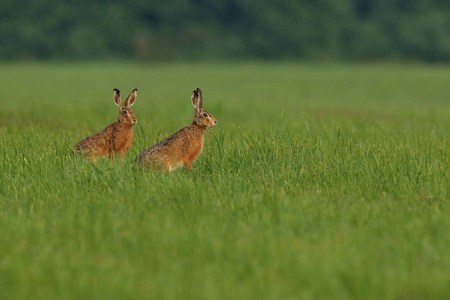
x,y
125,112
205,115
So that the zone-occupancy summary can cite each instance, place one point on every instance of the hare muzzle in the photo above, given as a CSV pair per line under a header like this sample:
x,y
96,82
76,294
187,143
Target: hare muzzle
x,y
212,122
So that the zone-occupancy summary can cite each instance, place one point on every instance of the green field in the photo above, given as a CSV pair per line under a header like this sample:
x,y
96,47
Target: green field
x,y
320,182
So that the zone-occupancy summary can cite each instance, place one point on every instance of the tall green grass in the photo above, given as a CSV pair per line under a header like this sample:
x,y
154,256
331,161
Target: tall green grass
x,y
320,182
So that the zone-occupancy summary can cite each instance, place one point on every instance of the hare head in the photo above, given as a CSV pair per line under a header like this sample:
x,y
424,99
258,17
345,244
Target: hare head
x,y
201,117
126,114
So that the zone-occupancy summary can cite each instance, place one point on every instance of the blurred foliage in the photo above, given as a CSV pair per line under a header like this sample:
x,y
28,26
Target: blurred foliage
x,y
219,29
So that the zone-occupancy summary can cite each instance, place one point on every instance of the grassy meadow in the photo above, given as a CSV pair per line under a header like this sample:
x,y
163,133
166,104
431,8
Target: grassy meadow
x,y
319,182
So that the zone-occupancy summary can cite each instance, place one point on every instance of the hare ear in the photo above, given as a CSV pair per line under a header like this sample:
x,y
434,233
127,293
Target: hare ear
x,y
197,99
131,98
118,98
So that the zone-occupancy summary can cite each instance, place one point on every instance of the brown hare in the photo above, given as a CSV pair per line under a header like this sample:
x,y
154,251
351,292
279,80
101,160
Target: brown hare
x,y
184,146
117,137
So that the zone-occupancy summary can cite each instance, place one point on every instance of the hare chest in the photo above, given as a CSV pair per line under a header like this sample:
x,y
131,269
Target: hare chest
x,y
122,142
195,148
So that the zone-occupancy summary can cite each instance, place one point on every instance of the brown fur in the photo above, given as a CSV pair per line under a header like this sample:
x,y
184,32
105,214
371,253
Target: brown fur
x,y
184,146
117,137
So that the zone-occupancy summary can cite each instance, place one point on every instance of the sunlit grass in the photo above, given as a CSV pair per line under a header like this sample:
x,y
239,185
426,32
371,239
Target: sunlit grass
x,y
319,182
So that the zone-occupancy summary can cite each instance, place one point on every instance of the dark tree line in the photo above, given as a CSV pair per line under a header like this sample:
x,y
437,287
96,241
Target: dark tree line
x,y
220,29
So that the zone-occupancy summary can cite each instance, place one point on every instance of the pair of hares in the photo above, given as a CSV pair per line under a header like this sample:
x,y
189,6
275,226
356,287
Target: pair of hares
x,y
179,149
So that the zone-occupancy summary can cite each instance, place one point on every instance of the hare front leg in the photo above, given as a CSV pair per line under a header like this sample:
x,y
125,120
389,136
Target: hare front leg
x,y
188,165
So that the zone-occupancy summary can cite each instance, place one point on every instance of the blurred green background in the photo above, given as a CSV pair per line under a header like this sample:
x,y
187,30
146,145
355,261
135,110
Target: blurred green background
x,y
417,30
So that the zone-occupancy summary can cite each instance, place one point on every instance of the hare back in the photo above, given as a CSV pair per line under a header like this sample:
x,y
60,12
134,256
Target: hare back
x,y
115,137
180,148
